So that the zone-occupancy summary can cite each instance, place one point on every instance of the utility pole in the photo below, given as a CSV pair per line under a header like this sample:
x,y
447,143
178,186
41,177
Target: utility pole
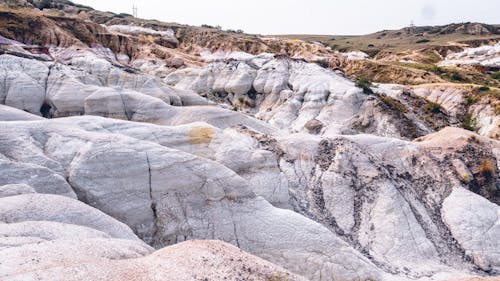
x,y
134,10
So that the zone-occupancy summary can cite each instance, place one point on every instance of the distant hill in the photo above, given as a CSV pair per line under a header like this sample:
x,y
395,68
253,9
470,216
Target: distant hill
x,y
468,28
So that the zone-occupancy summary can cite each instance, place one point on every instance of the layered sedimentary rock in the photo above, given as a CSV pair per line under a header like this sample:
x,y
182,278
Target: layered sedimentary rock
x,y
112,163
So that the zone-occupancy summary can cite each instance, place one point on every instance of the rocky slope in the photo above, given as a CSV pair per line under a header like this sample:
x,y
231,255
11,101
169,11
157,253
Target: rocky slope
x,y
128,146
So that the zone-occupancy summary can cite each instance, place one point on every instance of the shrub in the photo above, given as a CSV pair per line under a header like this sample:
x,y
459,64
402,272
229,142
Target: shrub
x,y
466,178
123,15
491,189
322,63
496,75
433,107
469,122
457,77
365,84
473,139
469,100
393,103
423,41
484,88
45,4
279,277
487,169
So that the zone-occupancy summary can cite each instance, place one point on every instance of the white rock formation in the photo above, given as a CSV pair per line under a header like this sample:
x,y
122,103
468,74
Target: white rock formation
x,y
355,55
475,223
136,184
288,178
487,56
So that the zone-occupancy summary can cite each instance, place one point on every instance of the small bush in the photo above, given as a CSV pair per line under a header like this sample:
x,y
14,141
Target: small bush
x,y
322,63
279,277
491,189
365,84
470,100
44,4
496,75
487,169
393,103
469,122
457,77
433,107
473,139
484,89
423,41
466,178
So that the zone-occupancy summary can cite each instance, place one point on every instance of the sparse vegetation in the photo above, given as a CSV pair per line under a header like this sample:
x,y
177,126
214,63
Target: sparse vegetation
x,y
473,139
469,122
457,77
487,173
491,190
217,27
470,100
279,277
365,84
423,41
322,63
496,75
433,107
393,103
466,178
487,169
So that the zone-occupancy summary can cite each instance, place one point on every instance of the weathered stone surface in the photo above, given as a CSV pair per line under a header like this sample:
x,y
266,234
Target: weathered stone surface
x,y
136,184
285,159
8,113
192,260
475,223
43,207
15,189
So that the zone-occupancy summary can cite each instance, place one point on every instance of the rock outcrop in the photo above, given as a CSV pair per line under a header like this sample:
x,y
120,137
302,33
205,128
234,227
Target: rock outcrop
x,y
123,156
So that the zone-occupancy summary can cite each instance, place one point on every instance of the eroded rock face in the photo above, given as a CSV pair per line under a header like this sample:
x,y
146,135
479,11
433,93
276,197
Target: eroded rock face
x,y
163,209
474,222
347,184
284,159
486,56
285,93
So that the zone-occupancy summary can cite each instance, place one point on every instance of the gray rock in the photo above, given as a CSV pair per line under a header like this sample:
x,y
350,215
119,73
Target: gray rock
x,y
15,189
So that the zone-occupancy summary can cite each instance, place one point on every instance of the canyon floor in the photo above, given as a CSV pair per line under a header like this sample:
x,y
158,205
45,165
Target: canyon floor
x,y
136,149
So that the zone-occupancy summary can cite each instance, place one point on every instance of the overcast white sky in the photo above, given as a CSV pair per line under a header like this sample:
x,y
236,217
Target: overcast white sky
x,y
339,17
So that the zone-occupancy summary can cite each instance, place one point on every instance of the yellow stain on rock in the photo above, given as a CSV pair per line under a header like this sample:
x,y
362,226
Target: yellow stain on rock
x,y
200,135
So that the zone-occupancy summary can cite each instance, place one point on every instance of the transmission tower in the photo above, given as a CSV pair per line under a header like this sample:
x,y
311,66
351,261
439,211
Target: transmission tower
x,y
134,11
